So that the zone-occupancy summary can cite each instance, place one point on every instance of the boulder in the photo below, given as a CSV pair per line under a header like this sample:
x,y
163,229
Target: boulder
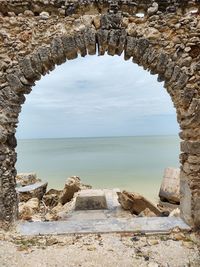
x,y
25,213
23,179
136,203
53,215
67,208
147,213
170,187
36,190
72,185
33,203
51,198
28,209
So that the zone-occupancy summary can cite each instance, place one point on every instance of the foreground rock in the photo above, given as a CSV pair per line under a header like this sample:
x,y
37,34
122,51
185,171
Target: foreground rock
x,y
72,185
136,203
53,205
28,209
53,214
36,190
52,197
147,213
170,187
24,179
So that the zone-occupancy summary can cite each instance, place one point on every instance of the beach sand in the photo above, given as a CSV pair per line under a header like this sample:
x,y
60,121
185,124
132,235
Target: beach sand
x,y
108,250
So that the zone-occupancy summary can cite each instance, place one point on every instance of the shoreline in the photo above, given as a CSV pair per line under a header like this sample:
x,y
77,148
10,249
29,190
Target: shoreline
x,y
125,163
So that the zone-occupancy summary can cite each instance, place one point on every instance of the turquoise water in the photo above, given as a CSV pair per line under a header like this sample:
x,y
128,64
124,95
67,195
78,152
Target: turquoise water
x,y
132,163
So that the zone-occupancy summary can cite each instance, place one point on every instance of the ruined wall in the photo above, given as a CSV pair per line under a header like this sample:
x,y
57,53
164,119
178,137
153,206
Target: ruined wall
x,y
37,35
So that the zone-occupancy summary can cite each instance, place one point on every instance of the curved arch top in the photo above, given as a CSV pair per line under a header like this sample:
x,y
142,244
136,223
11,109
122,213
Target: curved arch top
x,y
165,42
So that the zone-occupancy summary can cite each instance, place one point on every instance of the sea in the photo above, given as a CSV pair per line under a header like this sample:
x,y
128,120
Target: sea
x,y
133,163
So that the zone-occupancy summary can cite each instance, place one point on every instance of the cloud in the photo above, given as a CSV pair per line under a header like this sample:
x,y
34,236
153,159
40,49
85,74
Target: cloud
x,y
101,91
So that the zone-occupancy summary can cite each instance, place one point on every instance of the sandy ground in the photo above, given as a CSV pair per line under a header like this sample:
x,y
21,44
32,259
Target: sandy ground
x,y
107,250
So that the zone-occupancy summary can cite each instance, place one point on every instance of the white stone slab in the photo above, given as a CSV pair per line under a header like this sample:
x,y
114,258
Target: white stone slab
x,y
111,225
32,187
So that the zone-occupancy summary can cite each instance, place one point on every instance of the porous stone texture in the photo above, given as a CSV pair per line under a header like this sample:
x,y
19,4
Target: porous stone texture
x,y
72,185
136,203
23,179
51,198
35,36
27,209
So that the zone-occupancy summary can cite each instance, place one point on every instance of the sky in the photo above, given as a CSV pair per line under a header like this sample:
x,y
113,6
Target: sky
x,y
97,96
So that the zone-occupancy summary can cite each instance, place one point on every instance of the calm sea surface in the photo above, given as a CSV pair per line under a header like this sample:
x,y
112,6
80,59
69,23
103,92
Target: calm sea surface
x,y
132,163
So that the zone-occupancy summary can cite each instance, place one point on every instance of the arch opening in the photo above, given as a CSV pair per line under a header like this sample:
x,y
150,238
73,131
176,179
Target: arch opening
x,y
106,107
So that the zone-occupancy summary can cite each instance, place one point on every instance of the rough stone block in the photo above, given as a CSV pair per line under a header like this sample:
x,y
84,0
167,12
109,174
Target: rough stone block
x,y
91,200
36,190
136,203
186,201
170,187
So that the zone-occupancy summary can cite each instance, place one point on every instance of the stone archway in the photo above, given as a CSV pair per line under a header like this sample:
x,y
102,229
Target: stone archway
x,y
36,36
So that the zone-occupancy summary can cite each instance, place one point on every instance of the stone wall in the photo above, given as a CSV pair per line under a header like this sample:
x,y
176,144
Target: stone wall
x,y
35,36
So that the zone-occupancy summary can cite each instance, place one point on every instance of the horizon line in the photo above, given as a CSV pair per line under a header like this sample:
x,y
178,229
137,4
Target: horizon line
x,y
109,136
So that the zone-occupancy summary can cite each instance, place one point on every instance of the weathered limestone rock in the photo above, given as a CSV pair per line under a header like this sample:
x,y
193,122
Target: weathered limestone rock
x,y
53,215
52,197
28,209
147,213
90,200
152,33
170,187
36,190
25,212
153,9
72,185
23,179
136,203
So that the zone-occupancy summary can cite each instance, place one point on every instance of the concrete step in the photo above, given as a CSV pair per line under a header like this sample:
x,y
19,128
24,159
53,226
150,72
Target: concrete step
x,y
111,225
